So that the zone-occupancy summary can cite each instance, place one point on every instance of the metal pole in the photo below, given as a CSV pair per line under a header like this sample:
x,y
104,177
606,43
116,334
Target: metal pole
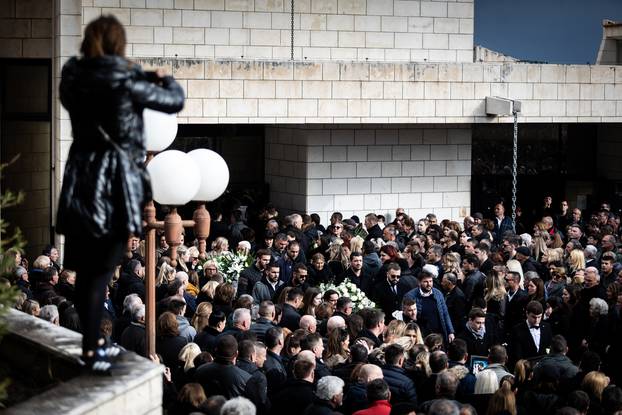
x,y
150,280
514,167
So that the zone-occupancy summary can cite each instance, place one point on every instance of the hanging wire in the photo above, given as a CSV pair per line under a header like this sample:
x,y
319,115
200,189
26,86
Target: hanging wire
x,y
514,167
292,33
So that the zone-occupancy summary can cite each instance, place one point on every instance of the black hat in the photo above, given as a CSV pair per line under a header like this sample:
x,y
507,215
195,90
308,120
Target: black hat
x,y
523,250
478,215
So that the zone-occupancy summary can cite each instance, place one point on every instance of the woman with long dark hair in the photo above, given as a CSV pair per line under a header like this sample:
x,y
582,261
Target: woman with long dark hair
x,y
105,185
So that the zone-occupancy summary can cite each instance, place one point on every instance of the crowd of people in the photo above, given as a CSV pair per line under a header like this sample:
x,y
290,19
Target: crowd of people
x,y
469,317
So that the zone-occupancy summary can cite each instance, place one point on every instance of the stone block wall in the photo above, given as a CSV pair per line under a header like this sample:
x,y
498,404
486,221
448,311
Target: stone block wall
x,y
358,169
26,28
30,174
353,30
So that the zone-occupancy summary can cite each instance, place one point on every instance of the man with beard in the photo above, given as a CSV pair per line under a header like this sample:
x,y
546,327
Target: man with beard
x,y
432,313
388,294
288,260
356,273
251,275
265,289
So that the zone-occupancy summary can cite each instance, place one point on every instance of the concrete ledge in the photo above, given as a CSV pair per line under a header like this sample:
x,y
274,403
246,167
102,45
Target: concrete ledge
x,y
43,349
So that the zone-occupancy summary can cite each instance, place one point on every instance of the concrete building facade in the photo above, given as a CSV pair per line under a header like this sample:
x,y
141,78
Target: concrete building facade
x,y
376,110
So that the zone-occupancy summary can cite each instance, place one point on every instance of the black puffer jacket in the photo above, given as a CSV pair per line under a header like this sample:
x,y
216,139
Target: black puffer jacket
x,y
105,184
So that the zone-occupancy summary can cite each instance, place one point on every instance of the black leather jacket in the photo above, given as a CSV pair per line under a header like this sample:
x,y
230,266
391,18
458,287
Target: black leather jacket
x,y
105,184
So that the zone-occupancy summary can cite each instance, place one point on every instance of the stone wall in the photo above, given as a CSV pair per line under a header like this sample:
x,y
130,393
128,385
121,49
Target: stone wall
x,y
26,28
353,30
234,91
359,169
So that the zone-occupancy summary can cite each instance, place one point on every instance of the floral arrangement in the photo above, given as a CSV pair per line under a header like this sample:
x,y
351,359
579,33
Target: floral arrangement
x,y
350,290
231,264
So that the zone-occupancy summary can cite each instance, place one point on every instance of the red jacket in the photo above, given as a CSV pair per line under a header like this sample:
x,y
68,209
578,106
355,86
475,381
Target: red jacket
x,y
376,408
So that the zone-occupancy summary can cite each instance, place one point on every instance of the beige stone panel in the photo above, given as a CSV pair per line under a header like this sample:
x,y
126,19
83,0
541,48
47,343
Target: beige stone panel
x,y
163,35
240,5
436,90
242,108
379,40
269,5
146,17
421,24
446,25
346,89
482,90
352,39
354,71
545,91
381,71
371,54
358,108
534,73
278,70
231,89
189,69
592,91
247,70
283,21
553,73
520,91
450,72
259,89
340,22
312,22
172,17
316,89
382,108
492,73
405,72
316,53
352,6
137,34
474,107
413,90
191,18
261,37
307,71
324,6
426,72
289,89
192,108
182,35
392,90
209,4
367,23
553,108
218,70
394,24
302,108
371,90
228,19
324,38
600,74
434,9
380,7
578,74
332,108
272,107
462,90
461,42
203,89
330,71
421,108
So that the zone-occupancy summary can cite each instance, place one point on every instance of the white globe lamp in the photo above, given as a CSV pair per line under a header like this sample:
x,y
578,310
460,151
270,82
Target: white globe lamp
x,y
175,178
160,129
214,174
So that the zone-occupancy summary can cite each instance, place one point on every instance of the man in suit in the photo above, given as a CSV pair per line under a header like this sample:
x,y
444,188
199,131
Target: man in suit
x,y
502,223
388,294
516,299
455,300
532,337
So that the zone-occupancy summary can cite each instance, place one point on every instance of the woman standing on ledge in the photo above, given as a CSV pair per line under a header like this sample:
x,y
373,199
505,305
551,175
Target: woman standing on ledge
x,y
105,185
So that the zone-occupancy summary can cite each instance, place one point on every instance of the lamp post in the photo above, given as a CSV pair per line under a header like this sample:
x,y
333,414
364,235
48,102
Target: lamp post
x,y
176,178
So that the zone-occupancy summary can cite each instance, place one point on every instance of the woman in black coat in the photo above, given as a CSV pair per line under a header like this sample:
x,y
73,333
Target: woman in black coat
x,y
168,341
105,185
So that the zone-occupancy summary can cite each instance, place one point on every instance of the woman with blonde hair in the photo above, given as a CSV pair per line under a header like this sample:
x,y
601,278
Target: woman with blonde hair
x,y
338,258
576,260
394,330
356,244
413,331
552,255
495,292
208,291
594,383
187,355
201,316
219,246
451,263
165,277
183,257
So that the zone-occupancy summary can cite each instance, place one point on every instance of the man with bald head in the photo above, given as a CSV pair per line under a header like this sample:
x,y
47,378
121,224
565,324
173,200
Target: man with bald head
x,y
356,397
308,323
335,322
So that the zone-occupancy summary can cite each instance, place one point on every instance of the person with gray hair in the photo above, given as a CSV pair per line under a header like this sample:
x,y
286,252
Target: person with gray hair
x,y
444,407
329,393
238,406
308,323
335,322
241,324
598,334
356,397
133,337
49,313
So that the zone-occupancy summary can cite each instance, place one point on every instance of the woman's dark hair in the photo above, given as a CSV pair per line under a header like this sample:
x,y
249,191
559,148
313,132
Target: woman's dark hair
x,y
193,394
168,325
103,36
224,294
391,251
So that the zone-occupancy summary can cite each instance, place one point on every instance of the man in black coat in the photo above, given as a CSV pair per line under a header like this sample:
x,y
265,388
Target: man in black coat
x,y
357,273
401,386
454,299
265,321
222,376
251,358
532,337
373,230
273,367
206,338
516,300
474,281
134,336
475,335
290,317
297,393
388,294
45,291
131,281
251,275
